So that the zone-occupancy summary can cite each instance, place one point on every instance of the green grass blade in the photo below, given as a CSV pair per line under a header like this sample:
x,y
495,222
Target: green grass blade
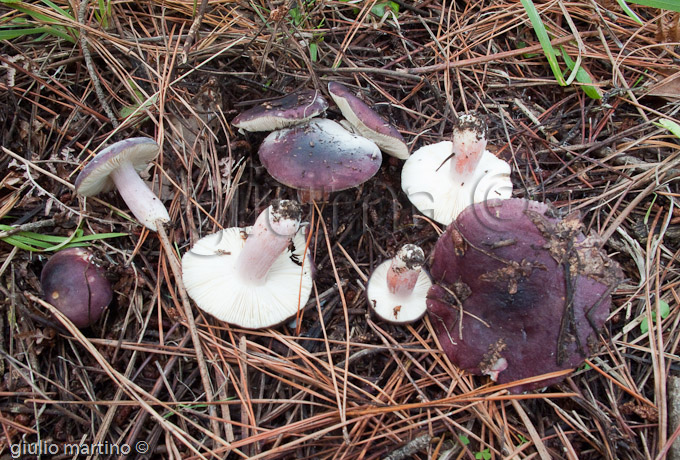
x,y
38,242
56,30
21,245
631,14
672,5
543,39
9,34
18,238
670,125
98,236
58,9
583,77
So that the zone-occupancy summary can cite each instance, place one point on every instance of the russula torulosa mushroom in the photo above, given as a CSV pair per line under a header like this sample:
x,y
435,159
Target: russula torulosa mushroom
x,y
76,286
293,109
319,157
443,179
532,289
367,123
397,288
118,166
250,277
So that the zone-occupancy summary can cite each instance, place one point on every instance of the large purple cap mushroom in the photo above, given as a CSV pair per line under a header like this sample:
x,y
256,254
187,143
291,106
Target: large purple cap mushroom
x,y
290,110
367,122
533,291
319,157
76,286
118,165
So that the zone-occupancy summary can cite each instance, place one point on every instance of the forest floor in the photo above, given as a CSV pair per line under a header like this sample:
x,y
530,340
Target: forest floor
x,y
341,385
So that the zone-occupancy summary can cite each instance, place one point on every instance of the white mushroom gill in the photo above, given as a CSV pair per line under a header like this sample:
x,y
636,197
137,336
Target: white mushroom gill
x,y
238,283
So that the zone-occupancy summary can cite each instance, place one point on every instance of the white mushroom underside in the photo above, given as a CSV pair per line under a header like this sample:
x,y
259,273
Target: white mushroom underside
x,y
429,185
393,308
98,180
271,122
211,280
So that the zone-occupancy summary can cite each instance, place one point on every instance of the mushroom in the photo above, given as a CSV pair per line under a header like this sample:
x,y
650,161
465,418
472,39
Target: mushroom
x,y
397,287
250,277
367,123
443,179
518,292
319,157
76,286
118,166
289,110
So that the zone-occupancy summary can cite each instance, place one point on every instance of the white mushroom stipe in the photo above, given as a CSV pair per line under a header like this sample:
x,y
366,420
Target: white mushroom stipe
x,y
142,202
214,277
269,238
469,144
404,270
397,288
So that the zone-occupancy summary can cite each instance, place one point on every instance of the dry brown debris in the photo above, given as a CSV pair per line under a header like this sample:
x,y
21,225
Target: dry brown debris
x,y
335,384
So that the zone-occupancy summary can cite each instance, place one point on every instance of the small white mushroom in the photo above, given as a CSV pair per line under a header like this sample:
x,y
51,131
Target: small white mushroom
x,y
250,277
397,288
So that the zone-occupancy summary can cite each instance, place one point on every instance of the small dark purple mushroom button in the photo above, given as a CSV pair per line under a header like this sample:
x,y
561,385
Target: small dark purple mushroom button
x,y
76,286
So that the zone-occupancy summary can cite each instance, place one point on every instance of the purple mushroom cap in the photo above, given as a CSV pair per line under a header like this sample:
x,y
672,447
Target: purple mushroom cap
x,y
280,113
76,286
533,290
94,178
319,156
367,122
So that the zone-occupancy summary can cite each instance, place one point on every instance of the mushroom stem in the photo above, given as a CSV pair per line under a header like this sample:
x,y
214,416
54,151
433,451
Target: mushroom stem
x,y
308,196
143,204
469,143
404,270
271,235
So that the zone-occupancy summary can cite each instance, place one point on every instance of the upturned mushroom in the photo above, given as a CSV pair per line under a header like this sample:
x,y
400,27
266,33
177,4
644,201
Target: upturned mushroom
x,y
290,110
366,122
118,166
76,286
518,292
397,288
252,277
443,179
318,158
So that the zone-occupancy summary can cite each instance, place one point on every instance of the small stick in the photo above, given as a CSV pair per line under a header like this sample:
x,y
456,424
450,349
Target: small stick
x,y
90,66
674,414
191,324
193,30
27,227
